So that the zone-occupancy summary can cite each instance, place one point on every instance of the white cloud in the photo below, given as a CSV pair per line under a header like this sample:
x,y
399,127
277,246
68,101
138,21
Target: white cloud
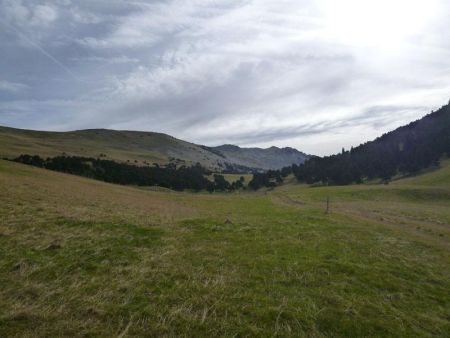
x,y
25,14
83,17
43,15
12,87
109,60
266,72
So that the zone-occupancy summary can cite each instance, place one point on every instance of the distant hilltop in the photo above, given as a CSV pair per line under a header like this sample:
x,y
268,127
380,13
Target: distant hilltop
x,y
144,148
270,158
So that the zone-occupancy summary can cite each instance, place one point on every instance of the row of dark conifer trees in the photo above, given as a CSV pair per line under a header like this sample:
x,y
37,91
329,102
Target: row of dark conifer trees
x,y
170,176
404,151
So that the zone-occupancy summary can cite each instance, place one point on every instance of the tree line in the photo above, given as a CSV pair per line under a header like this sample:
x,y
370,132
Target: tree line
x,y
269,179
406,150
169,176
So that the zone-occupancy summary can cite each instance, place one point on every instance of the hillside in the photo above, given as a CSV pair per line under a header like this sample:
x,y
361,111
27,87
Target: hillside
x,y
79,257
141,148
404,151
270,158
437,177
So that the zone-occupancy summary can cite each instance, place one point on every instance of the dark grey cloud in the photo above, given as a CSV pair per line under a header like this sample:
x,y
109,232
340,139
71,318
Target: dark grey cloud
x,y
308,74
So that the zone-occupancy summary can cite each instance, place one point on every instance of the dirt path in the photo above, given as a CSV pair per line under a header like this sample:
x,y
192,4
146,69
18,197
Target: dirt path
x,y
425,231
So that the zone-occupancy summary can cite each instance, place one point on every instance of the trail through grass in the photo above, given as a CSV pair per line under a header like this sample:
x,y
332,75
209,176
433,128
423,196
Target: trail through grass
x,y
84,258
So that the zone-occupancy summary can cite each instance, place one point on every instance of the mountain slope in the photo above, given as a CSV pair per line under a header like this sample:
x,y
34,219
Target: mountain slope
x,y
406,150
270,158
141,148
437,177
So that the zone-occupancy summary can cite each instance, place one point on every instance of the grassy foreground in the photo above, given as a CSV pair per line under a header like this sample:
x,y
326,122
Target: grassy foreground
x,y
84,258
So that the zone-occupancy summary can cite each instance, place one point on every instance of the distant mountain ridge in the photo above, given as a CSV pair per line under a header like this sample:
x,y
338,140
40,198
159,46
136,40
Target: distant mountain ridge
x,y
144,148
270,158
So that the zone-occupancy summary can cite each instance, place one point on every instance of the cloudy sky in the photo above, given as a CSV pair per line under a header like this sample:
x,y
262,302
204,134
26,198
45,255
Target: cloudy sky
x,y
312,74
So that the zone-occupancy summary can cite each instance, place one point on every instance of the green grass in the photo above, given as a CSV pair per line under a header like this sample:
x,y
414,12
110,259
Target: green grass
x,y
438,178
84,258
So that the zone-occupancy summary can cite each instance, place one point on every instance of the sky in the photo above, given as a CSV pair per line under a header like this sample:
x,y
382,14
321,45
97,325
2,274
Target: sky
x,y
317,75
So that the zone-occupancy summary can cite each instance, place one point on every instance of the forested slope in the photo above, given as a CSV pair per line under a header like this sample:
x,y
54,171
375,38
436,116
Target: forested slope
x,y
406,150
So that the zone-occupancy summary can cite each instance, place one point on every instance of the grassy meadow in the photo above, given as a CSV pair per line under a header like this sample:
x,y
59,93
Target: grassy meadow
x,y
82,258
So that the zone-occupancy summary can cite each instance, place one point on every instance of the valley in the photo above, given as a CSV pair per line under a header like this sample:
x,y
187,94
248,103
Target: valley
x,y
224,169
79,257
